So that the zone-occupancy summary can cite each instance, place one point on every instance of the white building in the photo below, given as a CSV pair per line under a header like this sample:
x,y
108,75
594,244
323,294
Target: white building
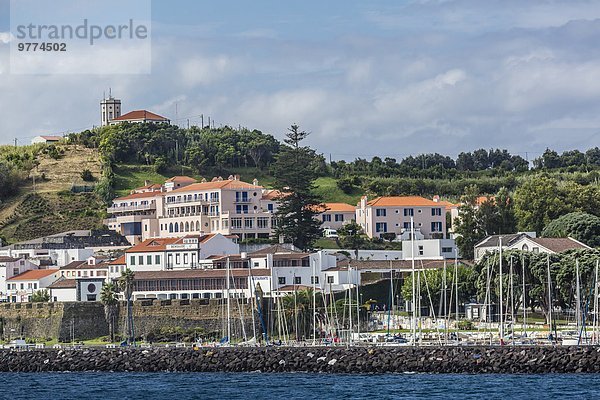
x,y
46,139
525,242
10,267
20,288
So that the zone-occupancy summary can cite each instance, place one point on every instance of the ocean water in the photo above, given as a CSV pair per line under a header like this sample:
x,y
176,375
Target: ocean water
x,y
149,386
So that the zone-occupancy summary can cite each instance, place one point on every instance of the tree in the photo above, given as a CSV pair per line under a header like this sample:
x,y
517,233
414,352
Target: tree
x,y
538,201
126,286
108,297
351,236
578,225
40,296
468,229
297,204
87,176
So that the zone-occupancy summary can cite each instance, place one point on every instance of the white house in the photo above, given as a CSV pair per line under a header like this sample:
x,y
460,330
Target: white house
x,y
10,267
19,288
187,252
525,242
46,139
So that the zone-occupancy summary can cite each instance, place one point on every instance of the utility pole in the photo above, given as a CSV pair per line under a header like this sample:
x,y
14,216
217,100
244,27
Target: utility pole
x,y
16,142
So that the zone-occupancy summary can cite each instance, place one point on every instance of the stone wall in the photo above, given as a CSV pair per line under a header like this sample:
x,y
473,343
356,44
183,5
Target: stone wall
x,y
83,320
542,359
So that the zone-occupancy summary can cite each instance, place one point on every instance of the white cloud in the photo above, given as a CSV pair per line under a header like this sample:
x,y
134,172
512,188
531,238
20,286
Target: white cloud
x,y
5,37
199,71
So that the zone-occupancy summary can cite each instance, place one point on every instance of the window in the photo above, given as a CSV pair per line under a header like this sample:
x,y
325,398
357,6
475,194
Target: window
x,y
409,212
141,260
420,250
270,207
249,223
326,217
177,258
380,212
536,250
157,259
185,258
262,222
35,285
381,227
436,212
281,280
297,280
314,280
148,260
241,209
15,271
447,250
339,217
436,227
132,260
236,223
330,279
406,225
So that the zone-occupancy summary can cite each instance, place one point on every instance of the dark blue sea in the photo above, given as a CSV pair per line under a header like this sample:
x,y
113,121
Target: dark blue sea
x,y
149,386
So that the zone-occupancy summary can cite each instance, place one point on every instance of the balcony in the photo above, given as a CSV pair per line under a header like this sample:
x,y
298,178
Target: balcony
x,y
142,207
243,200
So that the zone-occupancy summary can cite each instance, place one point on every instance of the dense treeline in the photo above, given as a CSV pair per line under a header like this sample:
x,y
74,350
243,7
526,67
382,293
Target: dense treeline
x,y
164,145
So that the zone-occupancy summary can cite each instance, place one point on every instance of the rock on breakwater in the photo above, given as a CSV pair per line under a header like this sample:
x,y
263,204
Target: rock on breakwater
x,y
310,359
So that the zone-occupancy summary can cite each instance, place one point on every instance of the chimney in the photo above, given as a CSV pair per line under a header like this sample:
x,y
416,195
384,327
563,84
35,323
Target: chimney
x,y
236,177
214,179
230,178
436,198
220,179
146,182
255,182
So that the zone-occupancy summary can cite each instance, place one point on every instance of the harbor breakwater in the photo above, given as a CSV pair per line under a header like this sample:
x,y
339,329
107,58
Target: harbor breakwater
x,y
564,359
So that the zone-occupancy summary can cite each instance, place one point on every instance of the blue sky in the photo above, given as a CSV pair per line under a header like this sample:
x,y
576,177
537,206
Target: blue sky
x,y
387,78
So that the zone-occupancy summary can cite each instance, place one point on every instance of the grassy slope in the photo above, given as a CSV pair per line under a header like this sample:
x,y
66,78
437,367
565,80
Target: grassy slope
x,y
53,208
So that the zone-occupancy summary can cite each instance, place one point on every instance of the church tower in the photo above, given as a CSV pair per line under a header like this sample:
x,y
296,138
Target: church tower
x,y
110,108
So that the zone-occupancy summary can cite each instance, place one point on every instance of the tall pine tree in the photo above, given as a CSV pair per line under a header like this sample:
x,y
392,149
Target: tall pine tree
x,y
297,205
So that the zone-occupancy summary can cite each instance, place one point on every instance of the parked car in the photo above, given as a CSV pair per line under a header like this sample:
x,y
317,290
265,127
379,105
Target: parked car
x,y
330,233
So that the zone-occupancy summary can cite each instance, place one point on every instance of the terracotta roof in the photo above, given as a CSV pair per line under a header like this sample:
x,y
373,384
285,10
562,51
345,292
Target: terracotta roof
x,y
52,138
271,194
160,244
482,199
340,207
201,273
150,186
139,196
140,115
447,204
118,261
8,259
33,275
181,178
64,284
558,245
224,184
73,264
402,201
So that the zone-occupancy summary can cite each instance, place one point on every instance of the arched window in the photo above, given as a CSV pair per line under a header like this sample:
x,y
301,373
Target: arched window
x,y
525,247
171,227
181,227
187,226
197,225
176,227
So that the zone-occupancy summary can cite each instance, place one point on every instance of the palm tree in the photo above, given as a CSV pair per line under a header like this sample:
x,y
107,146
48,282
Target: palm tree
x,y
108,297
126,286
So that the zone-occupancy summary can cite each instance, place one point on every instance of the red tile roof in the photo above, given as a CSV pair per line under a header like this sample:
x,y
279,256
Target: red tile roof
x,y
33,275
118,261
160,244
224,184
64,284
139,115
402,201
340,207
181,178
52,138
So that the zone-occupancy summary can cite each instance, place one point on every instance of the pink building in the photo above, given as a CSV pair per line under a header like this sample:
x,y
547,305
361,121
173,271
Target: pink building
x,y
392,215
336,215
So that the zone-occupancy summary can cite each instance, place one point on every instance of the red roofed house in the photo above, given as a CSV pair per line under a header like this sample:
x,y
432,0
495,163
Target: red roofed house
x,y
139,116
46,139
392,215
335,215
187,252
21,287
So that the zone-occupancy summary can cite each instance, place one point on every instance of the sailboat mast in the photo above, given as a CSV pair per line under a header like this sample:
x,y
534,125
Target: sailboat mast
x,y
549,297
314,293
413,327
501,296
578,297
512,303
350,308
228,305
524,305
595,331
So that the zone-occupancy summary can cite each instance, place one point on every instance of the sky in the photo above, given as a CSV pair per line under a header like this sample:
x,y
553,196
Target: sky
x,y
366,78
